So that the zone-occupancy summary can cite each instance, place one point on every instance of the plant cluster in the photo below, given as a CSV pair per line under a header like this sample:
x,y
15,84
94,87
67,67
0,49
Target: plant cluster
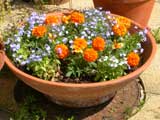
x,y
89,44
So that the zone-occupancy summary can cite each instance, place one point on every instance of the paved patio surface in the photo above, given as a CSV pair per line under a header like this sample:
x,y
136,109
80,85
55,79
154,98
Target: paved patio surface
x,y
151,77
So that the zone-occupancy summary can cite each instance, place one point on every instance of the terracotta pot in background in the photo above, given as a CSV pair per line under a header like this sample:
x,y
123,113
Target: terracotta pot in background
x,y
85,94
137,10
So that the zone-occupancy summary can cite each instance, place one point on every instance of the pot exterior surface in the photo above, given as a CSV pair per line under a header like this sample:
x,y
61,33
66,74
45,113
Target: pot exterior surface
x,y
137,10
1,59
85,94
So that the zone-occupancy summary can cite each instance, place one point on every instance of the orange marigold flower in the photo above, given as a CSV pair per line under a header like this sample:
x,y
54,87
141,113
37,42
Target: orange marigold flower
x,y
39,31
62,51
90,55
66,19
79,44
51,19
98,43
77,17
125,21
133,59
119,29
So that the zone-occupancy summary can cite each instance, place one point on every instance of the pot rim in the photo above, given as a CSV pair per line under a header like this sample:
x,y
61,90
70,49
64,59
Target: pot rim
x,y
91,85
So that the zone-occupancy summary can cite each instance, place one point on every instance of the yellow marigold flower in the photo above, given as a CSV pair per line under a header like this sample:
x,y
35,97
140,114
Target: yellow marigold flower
x,y
117,45
62,51
50,36
90,55
98,43
77,17
133,59
51,19
39,31
79,44
65,19
77,49
119,30
125,21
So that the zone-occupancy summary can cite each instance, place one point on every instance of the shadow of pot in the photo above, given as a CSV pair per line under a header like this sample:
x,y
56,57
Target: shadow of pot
x,y
86,94
137,10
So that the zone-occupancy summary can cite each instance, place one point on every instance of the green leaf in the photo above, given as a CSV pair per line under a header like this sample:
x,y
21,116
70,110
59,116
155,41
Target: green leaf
x,y
68,74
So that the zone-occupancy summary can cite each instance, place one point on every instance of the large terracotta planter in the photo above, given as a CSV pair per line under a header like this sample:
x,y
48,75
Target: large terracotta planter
x,y
85,94
137,10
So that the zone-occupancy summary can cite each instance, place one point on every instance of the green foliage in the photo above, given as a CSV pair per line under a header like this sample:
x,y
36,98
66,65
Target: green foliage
x,y
105,72
38,54
131,41
61,118
77,67
128,112
45,69
30,110
44,1
156,34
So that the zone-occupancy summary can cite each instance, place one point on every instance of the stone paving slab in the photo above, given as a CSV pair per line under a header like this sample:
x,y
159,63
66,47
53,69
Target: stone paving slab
x,y
77,4
151,77
151,109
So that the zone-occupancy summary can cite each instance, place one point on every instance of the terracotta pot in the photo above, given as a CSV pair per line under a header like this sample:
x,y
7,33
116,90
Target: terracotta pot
x,y
137,10
85,94
1,59
1,53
